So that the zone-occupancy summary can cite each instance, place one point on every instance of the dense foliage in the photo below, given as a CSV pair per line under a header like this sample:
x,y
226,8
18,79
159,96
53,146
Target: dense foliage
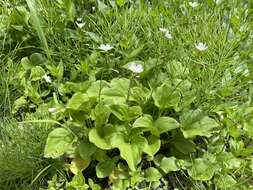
x,y
126,94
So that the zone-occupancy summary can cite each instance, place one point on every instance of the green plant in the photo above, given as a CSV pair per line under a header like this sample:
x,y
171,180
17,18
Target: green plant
x,y
135,101
21,161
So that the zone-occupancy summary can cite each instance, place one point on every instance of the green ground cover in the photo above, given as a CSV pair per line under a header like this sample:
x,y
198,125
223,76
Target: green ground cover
x,y
123,94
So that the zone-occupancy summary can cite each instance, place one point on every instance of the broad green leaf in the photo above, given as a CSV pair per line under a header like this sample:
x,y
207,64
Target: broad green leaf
x,y
136,177
101,114
95,88
117,92
145,122
139,95
78,165
164,124
126,113
98,140
101,136
203,127
202,169
86,149
182,144
153,145
70,87
58,142
225,182
79,101
130,149
100,155
152,174
37,73
93,185
166,96
26,63
78,182
37,59
169,164
177,69
105,168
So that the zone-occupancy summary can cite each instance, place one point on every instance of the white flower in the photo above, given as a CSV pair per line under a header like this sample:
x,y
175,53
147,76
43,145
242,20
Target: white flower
x,y
52,110
93,8
201,46
218,2
136,68
79,23
105,47
47,78
168,35
166,32
193,4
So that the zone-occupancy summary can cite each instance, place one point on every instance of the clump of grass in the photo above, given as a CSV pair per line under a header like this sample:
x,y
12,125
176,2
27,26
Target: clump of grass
x,y
21,155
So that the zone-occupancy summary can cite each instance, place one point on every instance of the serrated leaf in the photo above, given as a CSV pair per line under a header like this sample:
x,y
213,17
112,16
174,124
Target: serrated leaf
x,y
58,142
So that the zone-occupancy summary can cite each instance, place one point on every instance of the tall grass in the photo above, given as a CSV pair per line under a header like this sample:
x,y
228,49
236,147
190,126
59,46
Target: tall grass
x,y
21,156
37,25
